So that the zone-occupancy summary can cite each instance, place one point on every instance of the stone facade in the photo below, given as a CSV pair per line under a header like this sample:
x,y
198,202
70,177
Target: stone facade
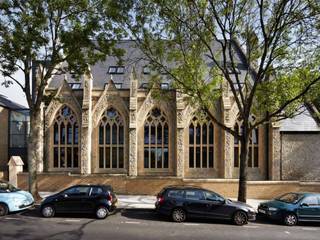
x,y
122,129
89,106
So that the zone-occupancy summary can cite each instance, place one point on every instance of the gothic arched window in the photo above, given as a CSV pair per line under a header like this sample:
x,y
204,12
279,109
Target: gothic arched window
x,y
156,140
111,140
65,139
201,143
253,161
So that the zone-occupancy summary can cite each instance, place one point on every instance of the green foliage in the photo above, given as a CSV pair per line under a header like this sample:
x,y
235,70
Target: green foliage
x,y
199,44
272,95
77,32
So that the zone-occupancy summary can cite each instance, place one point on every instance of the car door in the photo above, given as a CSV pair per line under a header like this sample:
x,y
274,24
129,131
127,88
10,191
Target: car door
x,y
309,209
94,198
216,206
195,203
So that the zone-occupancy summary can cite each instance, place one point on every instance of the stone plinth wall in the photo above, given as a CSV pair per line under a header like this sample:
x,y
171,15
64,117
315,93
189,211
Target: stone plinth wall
x,y
152,185
300,156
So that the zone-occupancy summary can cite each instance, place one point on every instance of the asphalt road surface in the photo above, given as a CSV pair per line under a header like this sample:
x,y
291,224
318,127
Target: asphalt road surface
x,y
142,224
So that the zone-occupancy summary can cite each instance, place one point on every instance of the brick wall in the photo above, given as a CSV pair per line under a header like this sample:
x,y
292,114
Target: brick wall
x,y
151,185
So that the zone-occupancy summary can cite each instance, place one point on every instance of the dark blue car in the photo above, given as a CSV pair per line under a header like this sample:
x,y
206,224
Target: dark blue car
x,y
182,202
292,208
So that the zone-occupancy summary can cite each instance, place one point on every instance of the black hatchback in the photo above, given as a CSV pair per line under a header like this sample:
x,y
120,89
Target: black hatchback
x,y
181,202
96,199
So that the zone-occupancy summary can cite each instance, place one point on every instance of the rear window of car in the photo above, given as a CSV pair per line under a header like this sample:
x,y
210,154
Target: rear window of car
x,y
96,191
176,193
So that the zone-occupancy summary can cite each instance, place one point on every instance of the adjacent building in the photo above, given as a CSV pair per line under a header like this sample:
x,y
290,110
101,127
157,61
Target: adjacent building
x,y
14,121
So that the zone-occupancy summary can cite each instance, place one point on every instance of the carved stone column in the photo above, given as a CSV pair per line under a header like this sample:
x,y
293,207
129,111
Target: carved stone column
x,y
86,124
228,163
227,145
180,137
133,160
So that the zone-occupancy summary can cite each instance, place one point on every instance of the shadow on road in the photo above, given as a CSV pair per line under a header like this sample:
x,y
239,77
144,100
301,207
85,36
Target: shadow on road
x,y
152,215
35,213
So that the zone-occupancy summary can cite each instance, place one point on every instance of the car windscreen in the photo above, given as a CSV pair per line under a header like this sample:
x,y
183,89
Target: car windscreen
x,y
7,187
290,198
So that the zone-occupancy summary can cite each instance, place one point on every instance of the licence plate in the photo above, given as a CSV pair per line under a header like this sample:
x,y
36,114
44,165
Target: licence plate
x,y
262,211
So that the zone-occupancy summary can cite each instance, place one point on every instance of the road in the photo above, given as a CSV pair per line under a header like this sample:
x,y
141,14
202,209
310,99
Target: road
x,y
143,224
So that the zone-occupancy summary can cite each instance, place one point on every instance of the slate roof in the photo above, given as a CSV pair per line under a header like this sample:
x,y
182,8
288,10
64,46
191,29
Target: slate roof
x,y
6,103
300,123
133,57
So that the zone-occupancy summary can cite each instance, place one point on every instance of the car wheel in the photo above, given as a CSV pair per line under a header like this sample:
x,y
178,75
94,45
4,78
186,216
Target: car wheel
x,y
48,211
240,218
290,219
102,212
179,215
3,209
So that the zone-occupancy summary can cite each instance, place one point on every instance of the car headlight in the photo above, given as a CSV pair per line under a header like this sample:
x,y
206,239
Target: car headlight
x,y
252,210
17,201
273,209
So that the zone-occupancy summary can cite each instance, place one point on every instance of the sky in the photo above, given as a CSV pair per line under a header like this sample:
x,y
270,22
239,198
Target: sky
x,y
14,92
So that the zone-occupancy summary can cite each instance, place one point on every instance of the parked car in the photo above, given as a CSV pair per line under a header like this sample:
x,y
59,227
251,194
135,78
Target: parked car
x,y
292,208
182,202
13,199
97,199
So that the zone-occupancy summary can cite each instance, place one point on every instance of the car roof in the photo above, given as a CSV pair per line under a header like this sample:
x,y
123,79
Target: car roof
x,y
185,187
308,193
90,185
304,193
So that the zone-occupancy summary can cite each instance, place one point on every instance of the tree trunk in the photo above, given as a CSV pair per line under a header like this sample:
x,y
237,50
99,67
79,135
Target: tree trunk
x,y
34,151
244,142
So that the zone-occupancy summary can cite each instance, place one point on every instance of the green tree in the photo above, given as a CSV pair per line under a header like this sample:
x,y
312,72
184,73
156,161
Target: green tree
x,y
203,44
52,33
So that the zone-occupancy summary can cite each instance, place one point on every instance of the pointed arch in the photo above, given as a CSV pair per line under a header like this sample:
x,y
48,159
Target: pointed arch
x,y
107,100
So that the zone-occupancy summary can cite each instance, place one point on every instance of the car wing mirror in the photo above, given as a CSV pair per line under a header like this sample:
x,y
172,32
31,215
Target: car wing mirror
x,y
304,205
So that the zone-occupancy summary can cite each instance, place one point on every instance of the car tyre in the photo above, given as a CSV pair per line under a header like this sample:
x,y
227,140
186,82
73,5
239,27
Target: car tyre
x,y
3,209
179,215
290,219
240,218
48,211
102,212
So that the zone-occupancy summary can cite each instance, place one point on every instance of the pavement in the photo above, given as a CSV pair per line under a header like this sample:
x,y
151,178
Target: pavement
x,y
143,224
147,201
